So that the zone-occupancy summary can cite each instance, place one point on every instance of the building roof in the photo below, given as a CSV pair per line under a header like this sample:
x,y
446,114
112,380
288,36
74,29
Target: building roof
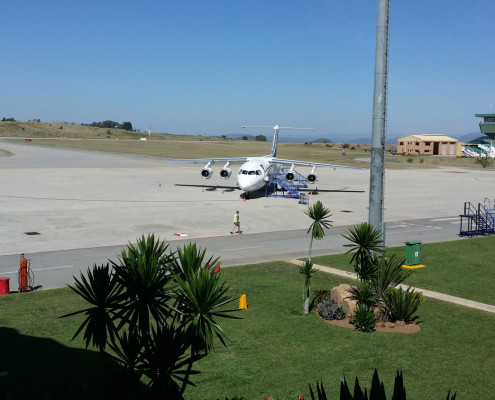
x,y
429,138
484,115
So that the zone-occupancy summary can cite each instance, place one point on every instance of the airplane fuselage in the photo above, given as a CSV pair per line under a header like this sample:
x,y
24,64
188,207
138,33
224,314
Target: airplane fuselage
x,y
251,174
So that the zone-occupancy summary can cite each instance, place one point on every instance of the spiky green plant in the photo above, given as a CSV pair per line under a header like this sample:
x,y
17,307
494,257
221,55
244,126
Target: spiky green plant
x,y
364,294
401,305
320,215
157,312
388,273
363,319
307,270
365,244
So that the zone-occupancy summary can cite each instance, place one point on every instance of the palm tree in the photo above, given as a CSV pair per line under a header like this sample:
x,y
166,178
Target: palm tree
x,y
365,243
319,214
157,312
307,271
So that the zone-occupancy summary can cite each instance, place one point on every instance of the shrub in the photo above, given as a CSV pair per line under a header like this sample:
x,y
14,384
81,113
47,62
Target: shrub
x,y
402,304
364,294
321,295
363,319
388,272
484,161
377,390
329,310
409,160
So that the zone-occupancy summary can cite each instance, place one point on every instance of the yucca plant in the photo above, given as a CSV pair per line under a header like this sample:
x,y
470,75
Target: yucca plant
x,y
401,305
101,290
364,293
365,244
157,312
363,319
377,390
307,270
320,215
388,273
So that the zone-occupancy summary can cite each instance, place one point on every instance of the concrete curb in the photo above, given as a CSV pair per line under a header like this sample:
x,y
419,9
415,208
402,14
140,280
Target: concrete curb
x,y
427,293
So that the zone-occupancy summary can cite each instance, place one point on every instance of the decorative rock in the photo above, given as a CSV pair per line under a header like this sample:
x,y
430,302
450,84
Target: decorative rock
x,y
340,295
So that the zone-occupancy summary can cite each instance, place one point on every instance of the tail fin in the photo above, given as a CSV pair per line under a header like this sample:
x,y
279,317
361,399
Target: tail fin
x,y
273,152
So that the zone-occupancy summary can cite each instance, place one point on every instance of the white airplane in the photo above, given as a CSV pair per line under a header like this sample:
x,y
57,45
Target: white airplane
x,y
255,172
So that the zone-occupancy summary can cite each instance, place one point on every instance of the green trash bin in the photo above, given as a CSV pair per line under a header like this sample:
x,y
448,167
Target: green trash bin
x,y
413,252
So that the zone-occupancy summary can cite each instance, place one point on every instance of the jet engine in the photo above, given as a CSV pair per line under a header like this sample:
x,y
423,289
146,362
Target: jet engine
x,y
207,172
312,177
290,175
225,172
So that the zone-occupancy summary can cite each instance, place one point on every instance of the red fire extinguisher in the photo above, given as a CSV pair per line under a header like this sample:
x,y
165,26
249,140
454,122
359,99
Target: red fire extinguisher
x,y
25,275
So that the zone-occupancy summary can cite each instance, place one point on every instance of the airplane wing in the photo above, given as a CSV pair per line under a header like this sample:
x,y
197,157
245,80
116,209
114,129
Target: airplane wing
x,y
275,160
212,160
209,187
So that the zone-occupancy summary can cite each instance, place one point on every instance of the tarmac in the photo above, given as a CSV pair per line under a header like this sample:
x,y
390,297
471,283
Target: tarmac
x,y
54,199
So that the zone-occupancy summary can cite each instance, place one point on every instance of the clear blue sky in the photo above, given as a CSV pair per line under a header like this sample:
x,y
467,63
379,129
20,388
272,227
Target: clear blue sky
x,y
208,67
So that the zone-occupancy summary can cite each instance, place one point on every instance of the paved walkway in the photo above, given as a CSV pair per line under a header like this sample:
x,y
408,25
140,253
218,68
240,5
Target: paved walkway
x,y
427,293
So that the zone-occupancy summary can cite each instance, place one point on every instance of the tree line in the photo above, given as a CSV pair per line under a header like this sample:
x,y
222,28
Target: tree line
x,y
127,126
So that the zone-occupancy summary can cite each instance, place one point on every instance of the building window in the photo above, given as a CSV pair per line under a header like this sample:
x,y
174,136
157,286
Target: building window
x,y
401,143
417,143
427,143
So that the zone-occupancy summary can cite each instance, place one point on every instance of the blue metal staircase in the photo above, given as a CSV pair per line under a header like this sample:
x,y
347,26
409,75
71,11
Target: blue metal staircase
x,y
476,221
282,187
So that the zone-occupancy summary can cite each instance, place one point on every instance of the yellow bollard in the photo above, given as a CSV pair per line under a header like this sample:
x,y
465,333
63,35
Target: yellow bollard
x,y
242,302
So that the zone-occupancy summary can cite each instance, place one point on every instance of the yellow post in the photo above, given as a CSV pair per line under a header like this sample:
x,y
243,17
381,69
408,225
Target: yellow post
x,y
242,302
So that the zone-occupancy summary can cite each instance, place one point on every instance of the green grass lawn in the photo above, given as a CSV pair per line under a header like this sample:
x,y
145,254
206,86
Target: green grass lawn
x,y
462,268
273,351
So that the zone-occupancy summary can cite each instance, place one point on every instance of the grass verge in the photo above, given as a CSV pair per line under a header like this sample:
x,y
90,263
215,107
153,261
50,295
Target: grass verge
x,y
273,351
461,268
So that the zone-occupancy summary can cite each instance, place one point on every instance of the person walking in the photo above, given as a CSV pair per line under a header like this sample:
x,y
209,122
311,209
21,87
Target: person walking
x,y
237,223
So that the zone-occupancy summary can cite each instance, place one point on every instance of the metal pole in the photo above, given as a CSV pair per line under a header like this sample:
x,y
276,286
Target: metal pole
x,y
377,171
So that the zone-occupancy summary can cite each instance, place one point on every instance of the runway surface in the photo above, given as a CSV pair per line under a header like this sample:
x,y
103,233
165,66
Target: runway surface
x,y
68,209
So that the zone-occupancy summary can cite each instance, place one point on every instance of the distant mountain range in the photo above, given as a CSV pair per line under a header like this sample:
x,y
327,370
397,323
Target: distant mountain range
x,y
355,140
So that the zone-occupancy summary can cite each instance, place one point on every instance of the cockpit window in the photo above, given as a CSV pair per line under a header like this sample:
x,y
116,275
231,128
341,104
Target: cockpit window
x,y
258,172
244,172
251,173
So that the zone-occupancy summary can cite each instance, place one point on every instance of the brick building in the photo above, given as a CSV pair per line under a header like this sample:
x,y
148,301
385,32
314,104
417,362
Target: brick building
x,y
435,145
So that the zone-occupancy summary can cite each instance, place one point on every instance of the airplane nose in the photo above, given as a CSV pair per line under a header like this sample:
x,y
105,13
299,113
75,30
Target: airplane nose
x,y
247,183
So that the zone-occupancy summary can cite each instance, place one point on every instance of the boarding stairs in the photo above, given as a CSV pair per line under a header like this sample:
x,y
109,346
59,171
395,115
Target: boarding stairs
x,y
471,151
479,150
488,150
477,220
281,187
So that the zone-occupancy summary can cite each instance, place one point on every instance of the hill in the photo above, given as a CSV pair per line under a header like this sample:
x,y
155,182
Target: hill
x,y
57,130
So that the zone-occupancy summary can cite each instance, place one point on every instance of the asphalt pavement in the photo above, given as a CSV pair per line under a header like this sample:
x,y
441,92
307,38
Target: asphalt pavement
x,y
68,209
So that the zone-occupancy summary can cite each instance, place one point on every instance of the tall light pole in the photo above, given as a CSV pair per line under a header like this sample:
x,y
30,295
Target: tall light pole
x,y
377,171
